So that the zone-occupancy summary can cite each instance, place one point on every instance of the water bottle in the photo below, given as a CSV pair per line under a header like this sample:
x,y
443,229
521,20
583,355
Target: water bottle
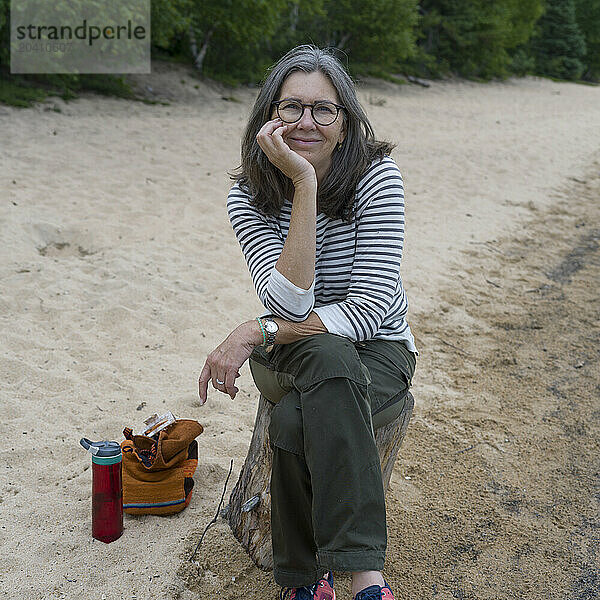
x,y
107,490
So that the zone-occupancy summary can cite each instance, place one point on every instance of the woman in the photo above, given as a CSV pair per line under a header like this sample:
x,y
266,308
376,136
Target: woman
x,y
318,209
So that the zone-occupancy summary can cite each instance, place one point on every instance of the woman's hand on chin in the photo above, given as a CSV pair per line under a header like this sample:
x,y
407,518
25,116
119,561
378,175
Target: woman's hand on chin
x,y
222,365
290,163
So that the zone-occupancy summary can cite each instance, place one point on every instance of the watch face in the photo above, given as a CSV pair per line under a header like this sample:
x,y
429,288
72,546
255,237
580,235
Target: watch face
x,y
271,326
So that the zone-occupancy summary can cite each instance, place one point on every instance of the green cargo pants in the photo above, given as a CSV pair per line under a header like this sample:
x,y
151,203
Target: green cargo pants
x,y
327,497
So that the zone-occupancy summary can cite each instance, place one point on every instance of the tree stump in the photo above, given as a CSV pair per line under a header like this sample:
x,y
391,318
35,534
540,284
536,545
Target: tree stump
x,y
249,509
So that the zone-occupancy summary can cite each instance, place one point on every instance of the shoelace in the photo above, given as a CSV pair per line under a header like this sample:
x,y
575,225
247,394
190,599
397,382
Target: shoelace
x,y
311,589
370,593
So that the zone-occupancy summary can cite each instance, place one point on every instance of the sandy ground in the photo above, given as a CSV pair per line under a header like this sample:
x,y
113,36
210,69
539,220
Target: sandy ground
x,y
120,273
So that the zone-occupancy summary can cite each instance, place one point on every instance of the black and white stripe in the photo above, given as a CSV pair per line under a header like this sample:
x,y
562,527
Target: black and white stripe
x,y
357,291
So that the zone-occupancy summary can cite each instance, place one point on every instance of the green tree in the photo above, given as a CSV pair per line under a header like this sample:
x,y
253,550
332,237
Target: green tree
x,y
588,18
170,20
523,16
22,89
302,22
559,46
474,37
228,36
377,34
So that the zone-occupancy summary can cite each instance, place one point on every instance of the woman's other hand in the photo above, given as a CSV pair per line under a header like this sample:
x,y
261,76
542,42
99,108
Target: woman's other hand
x,y
223,363
290,163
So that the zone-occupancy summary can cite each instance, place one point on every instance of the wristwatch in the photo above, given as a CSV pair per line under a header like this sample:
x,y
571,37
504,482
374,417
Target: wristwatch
x,y
271,329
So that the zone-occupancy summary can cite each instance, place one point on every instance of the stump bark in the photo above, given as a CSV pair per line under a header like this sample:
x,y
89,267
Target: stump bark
x,y
249,509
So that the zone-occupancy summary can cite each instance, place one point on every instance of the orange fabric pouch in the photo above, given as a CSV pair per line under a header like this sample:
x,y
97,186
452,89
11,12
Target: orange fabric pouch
x,y
157,474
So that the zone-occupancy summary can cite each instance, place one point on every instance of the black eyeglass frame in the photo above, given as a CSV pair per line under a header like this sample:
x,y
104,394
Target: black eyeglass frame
x,y
338,107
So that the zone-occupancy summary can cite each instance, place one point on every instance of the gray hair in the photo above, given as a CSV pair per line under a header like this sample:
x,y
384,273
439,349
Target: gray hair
x,y
267,185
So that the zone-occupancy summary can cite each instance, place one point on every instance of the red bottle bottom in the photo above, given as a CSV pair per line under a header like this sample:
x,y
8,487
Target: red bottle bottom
x,y
108,539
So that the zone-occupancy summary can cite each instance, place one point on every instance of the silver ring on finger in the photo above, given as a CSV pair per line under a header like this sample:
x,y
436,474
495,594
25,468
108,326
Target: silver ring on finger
x,y
220,382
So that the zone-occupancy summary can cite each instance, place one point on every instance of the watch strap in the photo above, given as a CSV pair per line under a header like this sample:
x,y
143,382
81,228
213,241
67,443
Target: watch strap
x,y
271,335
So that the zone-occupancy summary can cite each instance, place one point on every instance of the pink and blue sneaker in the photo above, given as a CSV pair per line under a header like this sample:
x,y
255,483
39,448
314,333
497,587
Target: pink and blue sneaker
x,y
322,590
375,592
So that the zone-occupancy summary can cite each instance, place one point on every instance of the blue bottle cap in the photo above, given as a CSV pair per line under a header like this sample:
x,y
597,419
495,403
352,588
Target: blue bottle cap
x,y
103,449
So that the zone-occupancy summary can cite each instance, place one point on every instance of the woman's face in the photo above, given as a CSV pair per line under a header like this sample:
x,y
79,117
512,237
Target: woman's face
x,y
314,142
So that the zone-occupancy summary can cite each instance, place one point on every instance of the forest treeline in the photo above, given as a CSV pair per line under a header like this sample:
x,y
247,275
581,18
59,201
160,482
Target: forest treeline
x,y
431,38
236,40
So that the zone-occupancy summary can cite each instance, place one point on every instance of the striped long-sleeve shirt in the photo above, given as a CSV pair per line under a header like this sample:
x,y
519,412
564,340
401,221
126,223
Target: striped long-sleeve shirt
x,y
357,290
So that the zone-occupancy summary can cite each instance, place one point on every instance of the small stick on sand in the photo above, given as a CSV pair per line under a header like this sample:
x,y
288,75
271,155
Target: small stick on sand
x,y
214,520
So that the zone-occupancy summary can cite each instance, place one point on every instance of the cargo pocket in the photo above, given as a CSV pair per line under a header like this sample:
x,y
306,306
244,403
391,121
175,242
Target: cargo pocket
x,y
286,428
390,410
391,367
271,384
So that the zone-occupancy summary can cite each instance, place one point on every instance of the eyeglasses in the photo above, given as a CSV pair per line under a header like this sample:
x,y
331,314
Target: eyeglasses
x,y
323,113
